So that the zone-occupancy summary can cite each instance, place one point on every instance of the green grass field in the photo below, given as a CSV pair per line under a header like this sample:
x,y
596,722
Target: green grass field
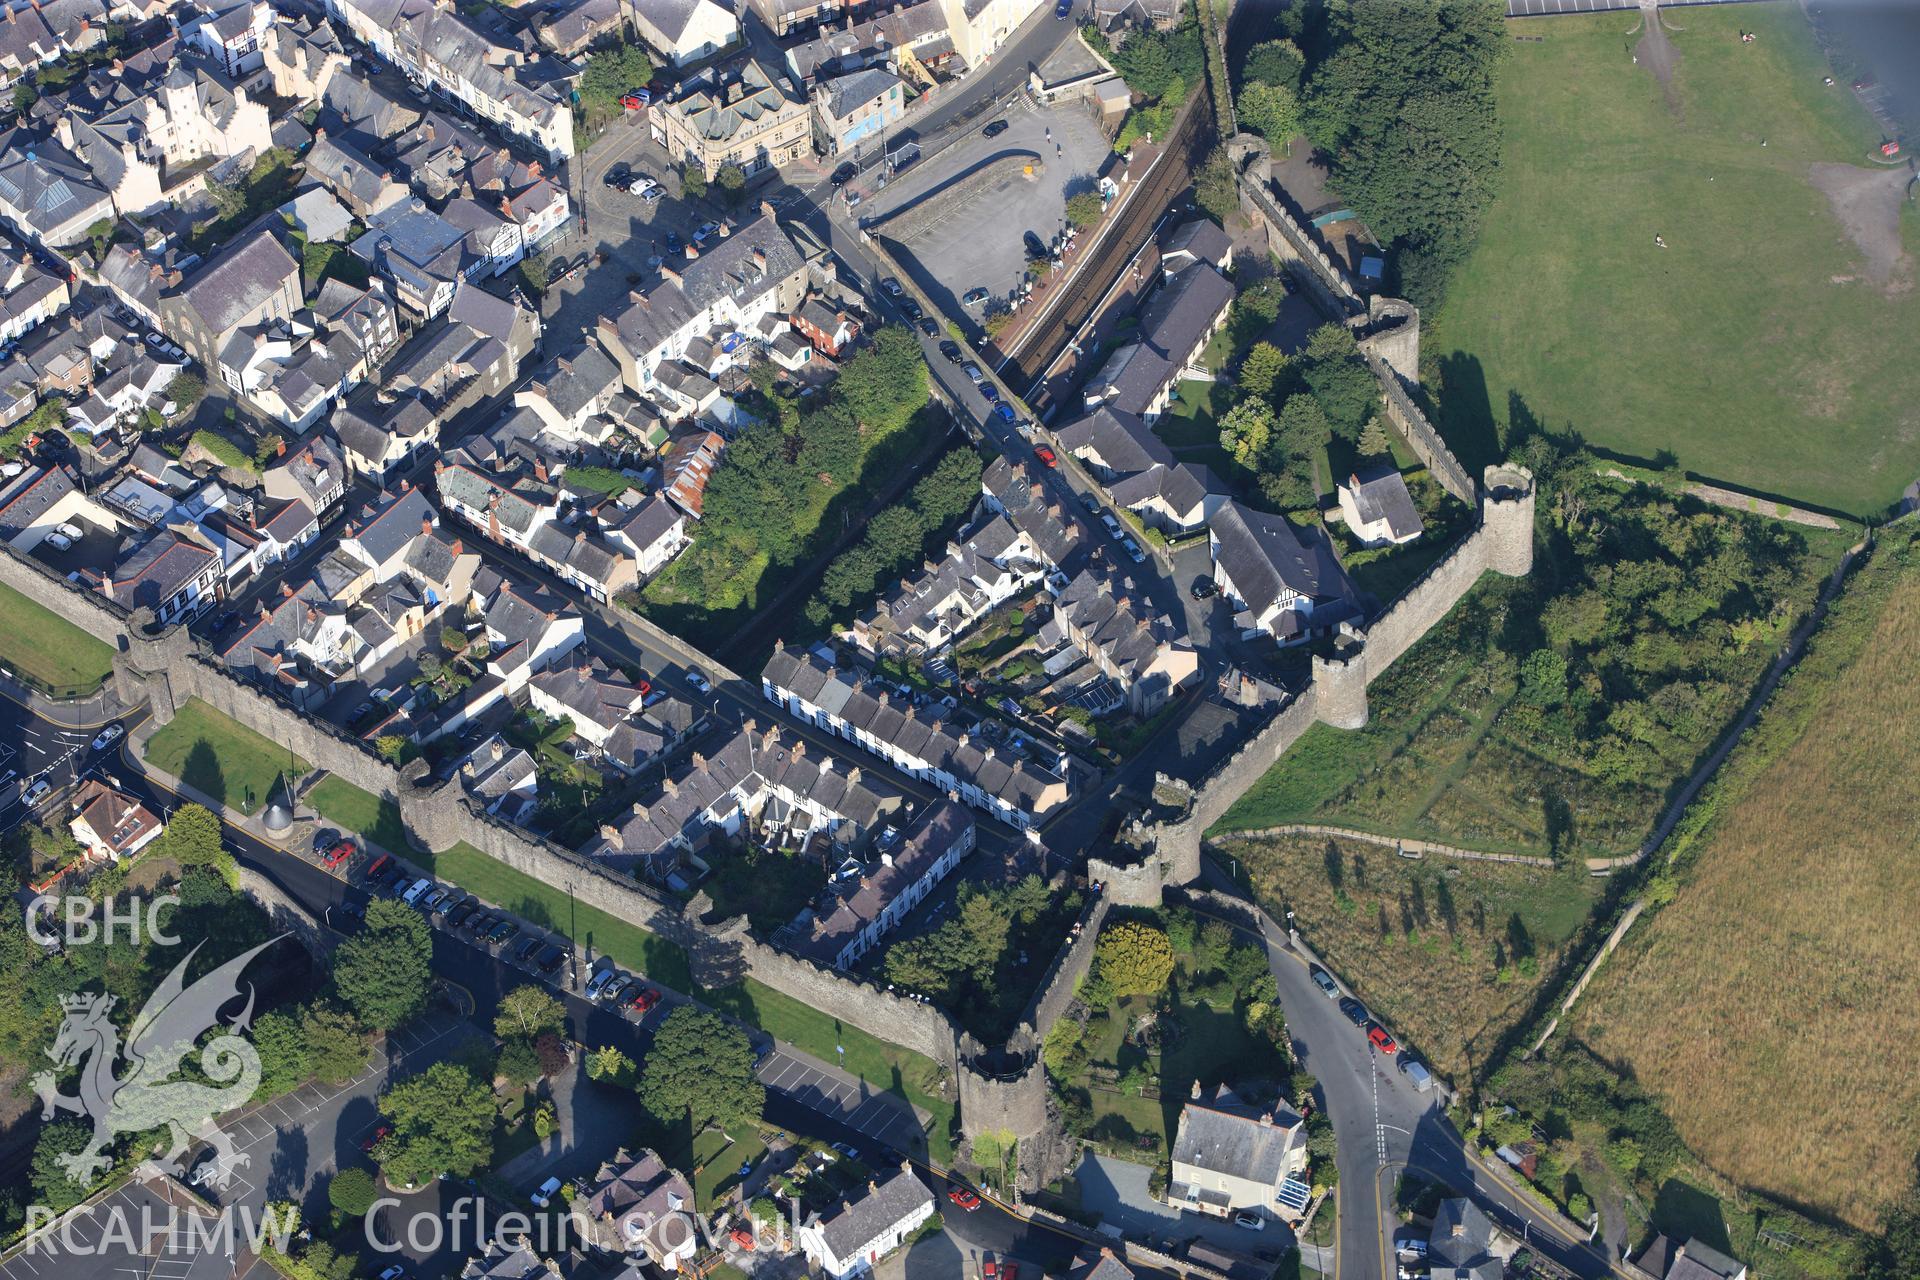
x,y
224,760
338,800
548,905
42,645
1753,347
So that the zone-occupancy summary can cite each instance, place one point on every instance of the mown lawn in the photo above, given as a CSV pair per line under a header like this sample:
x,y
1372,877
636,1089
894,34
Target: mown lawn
x,y
224,760
548,905
39,643
1754,347
355,810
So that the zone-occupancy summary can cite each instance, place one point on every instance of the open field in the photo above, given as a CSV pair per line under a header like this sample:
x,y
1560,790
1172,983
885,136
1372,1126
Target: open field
x,y
339,801
1769,345
1403,932
44,646
1782,968
224,760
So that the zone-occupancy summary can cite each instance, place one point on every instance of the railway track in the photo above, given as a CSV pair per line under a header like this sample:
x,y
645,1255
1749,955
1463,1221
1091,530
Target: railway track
x,y
1031,364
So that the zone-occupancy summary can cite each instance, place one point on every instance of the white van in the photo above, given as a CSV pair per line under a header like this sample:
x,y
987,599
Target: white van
x,y
1417,1072
418,887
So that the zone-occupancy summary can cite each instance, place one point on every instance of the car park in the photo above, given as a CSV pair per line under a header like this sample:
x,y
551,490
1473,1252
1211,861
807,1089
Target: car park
x,y
436,901
543,1194
107,737
1321,978
996,128
1356,1012
1377,1036
951,350
377,869
618,177
479,922
71,530
653,191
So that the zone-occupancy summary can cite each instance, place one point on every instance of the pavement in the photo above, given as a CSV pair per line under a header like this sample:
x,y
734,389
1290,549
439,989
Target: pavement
x,y
1116,1190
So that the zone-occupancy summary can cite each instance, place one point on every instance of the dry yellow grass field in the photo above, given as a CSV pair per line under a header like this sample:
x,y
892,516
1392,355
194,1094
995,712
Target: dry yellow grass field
x,y
1772,1005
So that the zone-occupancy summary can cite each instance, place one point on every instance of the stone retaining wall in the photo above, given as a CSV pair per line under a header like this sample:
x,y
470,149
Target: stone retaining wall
x,y
84,607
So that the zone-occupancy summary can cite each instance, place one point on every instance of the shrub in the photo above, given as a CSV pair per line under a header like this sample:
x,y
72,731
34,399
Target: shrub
x,y
351,1191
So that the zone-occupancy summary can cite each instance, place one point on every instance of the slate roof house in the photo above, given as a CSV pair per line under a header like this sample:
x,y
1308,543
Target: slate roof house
x,y
46,191
1178,320
362,187
988,566
1461,1245
651,530
254,282
864,902
851,1237
502,778
473,351
571,27
594,696
918,741
1230,1158
1199,240
1283,581
174,573
750,274
739,112
1127,641
505,1260
850,109
1669,1259
683,31
1141,472
753,781
1378,509
888,39
376,437
640,1205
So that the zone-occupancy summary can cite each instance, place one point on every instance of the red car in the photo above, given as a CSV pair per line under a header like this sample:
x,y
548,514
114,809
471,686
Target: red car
x,y
338,854
643,999
964,1198
378,865
631,101
742,1237
1046,455
373,1139
1381,1040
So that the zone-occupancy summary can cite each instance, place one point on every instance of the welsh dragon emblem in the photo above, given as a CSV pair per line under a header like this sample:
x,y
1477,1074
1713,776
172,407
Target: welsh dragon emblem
x,y
147,1097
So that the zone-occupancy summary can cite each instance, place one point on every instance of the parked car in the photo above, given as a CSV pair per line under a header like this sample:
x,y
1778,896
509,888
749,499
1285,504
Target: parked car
x,y
641,997
1416,1073
458,916
374,1139
37,792
618,177
698,681
107,737
891,287
1091,501
502,932
972,371
598,982
1006,412
674,243
909,308
951,350
989,393
846,1151
1063,9
652,191
1378,1037
843,175
71,530
1046,456
58,541
413,894
964,1198
1251,1221
975,296
1133,551
1356,1012
543,1194
742,1237
1321,978
550,959
928,327
337,855
394,1272
705,232
634,101
528,946
377,869
479,922
435,901
1112,525
996,128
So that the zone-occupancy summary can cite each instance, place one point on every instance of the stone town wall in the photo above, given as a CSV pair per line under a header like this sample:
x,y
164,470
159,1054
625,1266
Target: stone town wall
x,y
1290,241
1427,601
1070,965
85,608
1421,436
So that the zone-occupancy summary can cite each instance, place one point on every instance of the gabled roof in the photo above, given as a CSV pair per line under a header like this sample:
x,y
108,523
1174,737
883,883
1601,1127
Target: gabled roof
x,y
228,292
859,1222
1221,1134
1199,240
1264,555
1380,493
1460,1246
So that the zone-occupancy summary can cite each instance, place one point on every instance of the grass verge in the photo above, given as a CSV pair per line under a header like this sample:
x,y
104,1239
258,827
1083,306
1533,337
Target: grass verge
x,y
355,810
47,649
222,759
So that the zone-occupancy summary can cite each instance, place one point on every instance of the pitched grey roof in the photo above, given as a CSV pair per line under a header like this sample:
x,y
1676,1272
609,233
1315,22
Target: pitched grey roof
x,y
1123,442
592,690
1669,1259
1201,239
842,918
384,533
844,93
344,169
1178,314
1223,1135
858,1223
1130,633
647,522
1104,1267
729,269
1264,554
1380,493
573,381
1458,1248
903,28
224,294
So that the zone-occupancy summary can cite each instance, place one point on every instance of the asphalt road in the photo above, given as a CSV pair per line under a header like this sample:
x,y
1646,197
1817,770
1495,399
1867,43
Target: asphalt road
x,y
1385,1127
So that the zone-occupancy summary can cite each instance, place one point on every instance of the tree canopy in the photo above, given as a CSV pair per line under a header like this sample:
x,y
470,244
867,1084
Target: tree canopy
x,y
385,971
1270,110
1134,958
528,1011
700,1071
1404,104
442,1122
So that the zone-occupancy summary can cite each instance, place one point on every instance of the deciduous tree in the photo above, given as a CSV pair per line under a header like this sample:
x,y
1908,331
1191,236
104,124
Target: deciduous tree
x,y
700,1070
442,1122
1134,958
528,1011
384,972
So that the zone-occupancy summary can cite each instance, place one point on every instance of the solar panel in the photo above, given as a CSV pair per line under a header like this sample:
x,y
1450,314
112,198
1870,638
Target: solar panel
x,y
1294,1194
